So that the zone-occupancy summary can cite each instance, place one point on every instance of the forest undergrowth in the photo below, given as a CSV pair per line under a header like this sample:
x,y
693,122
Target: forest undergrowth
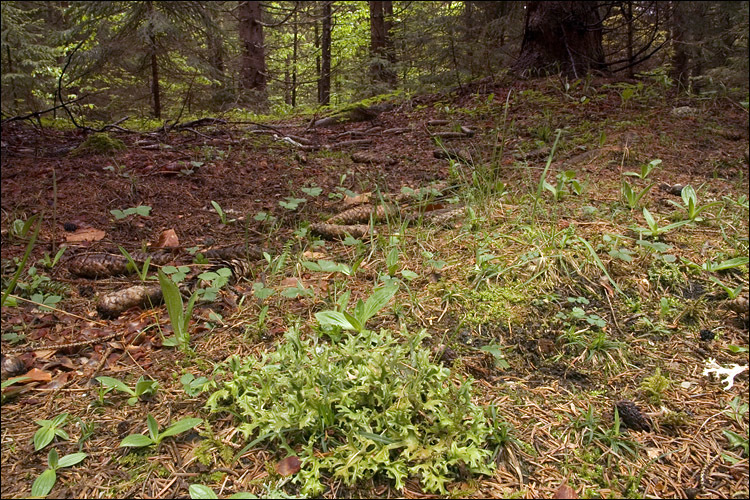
x,y
545,288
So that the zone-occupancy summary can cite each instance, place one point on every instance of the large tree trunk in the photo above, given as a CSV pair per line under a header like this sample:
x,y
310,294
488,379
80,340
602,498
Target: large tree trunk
x,y
324,83
154,62
381,49
561,36
253,72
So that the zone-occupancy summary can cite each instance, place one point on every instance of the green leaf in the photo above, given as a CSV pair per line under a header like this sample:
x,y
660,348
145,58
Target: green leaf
x,y
113,383
356,324
241,495
650,220
377,301
71,460
170,342
153,428
145,386
201,491
52,458
179,427
44,483
333,318
313,191
43,436
136,441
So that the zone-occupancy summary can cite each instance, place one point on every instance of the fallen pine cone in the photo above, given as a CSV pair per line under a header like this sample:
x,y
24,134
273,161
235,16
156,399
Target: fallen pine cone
x,y
631,416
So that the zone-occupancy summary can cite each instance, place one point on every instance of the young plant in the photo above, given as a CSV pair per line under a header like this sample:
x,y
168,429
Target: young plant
x,y
141,210
732,293
179,315
47,479
363,311
141,271
49,429
24,259
690,204
543,178
156,437
646,169
50,262
222,215
143,387
654,228
633,197
655,385
565,180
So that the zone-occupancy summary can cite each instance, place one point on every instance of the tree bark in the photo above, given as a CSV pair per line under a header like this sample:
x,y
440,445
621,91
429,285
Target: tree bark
x,y
561,36
154,62
253,72
379,44
324,84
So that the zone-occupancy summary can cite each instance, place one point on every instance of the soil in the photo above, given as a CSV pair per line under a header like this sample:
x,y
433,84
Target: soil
x,y
247,170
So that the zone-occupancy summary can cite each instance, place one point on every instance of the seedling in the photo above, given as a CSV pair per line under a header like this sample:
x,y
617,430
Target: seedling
x,y
732,293
141,210
690,204
49,429
50,262
179,315
292,203
156,437
646,169
363,311
222,215
565,180
141,271
192,385
655,385
633,198
47,479
654,228
143,387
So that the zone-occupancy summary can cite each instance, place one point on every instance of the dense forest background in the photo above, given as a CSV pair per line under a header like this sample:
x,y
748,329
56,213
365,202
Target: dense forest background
x,y
109,60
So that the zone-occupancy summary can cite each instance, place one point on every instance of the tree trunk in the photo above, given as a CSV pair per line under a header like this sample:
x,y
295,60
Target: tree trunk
x,y
253,72
561,36
379,44
154,62
324,84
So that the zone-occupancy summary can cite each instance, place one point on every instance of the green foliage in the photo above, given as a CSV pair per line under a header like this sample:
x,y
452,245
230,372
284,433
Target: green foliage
x,y
49,429
368,403
566,181
141,210
29,246
156,437
143,387
179,315
646,169
192,385
653,226
47,479
334,321
690,204
633,197
99,143
655,385
222,215
142,271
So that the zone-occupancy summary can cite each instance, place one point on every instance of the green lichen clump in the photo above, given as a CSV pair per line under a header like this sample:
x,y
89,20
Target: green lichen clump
x,y
99,143
368,405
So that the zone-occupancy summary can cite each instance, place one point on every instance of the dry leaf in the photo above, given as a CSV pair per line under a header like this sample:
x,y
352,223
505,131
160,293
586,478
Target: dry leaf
x,y
37,375
565,491
168,239
288,466
86,234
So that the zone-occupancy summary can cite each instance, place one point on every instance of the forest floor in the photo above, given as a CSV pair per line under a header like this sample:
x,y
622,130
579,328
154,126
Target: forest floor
x,y
585,327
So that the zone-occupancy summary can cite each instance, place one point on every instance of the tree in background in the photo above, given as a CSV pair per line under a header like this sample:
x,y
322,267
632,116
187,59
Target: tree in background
x,y
324,85
253,72
382,54
561,36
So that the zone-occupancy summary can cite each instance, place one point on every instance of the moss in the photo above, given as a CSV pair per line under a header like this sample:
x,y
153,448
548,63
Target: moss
x,y
98,143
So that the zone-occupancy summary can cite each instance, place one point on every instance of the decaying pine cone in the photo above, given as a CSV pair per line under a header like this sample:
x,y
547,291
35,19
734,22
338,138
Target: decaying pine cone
x,y
115,303
98,265
361,214
12,366
334,231
631,416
